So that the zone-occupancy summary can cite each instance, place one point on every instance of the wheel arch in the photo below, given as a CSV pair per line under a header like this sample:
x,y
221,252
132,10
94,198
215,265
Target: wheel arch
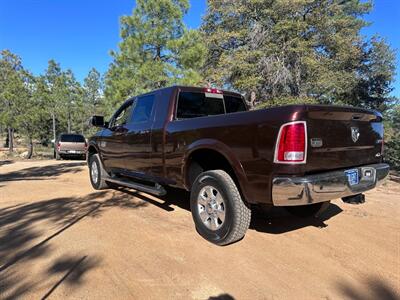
x,y
218,156
92,149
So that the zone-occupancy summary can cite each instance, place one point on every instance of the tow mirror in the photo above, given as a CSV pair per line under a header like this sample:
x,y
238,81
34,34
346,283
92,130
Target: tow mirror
x,y
97,121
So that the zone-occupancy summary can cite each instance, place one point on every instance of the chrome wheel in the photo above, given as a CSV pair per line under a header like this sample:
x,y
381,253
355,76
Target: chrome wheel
x,y
94,172
211,207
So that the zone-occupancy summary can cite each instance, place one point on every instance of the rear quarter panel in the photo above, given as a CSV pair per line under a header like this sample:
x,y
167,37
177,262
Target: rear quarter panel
x,y
250,136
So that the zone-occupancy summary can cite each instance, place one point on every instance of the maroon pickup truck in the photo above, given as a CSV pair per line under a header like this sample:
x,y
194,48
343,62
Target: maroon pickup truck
x,y
206,141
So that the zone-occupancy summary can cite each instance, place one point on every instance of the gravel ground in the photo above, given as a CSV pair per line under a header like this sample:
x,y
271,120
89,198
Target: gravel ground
x,y
60,239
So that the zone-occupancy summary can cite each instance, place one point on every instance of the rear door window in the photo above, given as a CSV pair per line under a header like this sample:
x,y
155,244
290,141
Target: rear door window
x,y
194,105
197,104
72,138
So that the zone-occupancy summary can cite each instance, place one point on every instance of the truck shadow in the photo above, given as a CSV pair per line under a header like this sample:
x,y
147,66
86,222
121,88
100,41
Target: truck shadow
x,y
174,197
275,221
278,220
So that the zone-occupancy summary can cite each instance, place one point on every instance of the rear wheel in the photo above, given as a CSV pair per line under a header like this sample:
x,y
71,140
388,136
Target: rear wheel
x,y
306,211
218,211
97,173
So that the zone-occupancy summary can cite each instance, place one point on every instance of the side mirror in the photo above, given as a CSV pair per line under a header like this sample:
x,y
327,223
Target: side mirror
x,y
97,121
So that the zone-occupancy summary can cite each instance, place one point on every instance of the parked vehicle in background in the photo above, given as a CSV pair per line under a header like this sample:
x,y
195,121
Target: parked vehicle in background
x,y
205,141
70,145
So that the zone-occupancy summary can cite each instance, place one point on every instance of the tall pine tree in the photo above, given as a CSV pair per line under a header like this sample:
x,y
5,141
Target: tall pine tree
x,y
11,92
297,49
156,50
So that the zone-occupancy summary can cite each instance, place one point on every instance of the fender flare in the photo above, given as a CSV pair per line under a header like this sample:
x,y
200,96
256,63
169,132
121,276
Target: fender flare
x,y
95,146
223,150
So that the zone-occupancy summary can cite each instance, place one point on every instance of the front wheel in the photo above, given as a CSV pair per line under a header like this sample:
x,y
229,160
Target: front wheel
x,y
97,173
218,211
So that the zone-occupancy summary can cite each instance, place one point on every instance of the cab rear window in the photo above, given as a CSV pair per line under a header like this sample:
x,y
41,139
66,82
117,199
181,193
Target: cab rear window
x,y
194,105
72,138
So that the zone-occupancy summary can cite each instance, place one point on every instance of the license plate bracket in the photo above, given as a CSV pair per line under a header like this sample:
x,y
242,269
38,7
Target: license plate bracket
x,y
352,177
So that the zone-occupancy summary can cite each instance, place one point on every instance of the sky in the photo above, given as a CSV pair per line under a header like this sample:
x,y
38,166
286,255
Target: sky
x,y
79,34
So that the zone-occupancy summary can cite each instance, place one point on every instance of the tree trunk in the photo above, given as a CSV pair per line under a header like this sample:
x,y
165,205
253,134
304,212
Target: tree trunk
x,y
54,126
10,140
69,122
30,148
7,140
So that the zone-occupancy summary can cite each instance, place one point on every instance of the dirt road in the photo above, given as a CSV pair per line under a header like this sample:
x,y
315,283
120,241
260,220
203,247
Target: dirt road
x,y
59,238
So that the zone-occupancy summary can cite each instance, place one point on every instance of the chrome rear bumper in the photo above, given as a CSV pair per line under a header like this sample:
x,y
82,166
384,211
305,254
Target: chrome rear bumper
x,y
289,191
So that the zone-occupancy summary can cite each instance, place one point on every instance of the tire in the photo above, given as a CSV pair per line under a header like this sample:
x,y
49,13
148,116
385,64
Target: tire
x,y
218,211
96,169
307,211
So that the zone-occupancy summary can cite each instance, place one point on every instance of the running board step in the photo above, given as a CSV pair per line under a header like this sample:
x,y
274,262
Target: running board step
x,y
157,190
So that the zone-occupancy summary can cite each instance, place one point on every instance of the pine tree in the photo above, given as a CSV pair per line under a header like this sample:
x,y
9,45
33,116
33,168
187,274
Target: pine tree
x,y
22,108
11,88
392,136
156,50
304,50
53,94
72,100
93,91
375,76
93,97
30,115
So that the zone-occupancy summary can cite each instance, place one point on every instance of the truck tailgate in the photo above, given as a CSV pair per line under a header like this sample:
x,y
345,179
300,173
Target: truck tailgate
x,y
342,137
72,146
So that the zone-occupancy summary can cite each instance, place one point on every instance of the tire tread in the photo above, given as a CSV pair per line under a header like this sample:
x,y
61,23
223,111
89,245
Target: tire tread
x,y
102,184
242,213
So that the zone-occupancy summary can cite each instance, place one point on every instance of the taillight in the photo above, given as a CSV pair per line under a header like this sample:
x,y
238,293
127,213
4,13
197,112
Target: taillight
x,y
85,146
58,146
291,146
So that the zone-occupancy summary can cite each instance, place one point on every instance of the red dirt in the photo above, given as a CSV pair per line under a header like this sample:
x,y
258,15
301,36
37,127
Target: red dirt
x,y
60,238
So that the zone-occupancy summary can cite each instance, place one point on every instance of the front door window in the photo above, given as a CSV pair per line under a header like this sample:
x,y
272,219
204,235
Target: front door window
x,y
122,117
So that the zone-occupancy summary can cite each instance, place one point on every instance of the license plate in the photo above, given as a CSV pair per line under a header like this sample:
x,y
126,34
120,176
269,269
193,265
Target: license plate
x,y
73,151
352,176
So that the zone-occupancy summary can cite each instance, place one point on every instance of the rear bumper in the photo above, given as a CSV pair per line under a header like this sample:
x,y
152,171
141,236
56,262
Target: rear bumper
x,y
290,191
69,153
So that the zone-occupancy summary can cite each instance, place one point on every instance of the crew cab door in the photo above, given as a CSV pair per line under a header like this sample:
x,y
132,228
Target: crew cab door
x,y
112,143
128,149
137,140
